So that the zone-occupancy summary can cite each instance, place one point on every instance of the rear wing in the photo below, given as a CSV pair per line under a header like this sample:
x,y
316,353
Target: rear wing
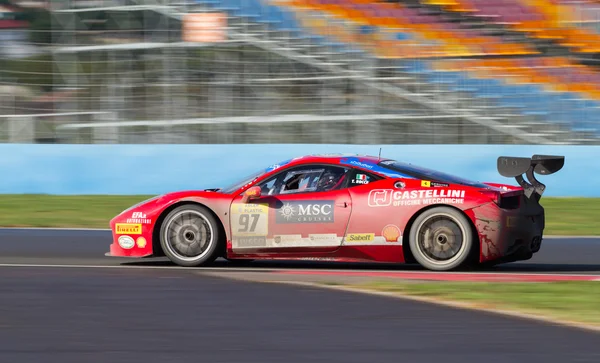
x,y
514,167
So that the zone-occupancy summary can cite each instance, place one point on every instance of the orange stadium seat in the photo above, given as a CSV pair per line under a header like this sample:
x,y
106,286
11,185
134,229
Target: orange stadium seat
x,y
552,88
453,41
575,78
543,19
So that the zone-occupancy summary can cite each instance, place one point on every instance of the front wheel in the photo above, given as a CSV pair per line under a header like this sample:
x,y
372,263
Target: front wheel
x,y
190,236
441,239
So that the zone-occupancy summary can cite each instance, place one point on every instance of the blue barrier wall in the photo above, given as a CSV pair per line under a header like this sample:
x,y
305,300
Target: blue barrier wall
x,y
156,169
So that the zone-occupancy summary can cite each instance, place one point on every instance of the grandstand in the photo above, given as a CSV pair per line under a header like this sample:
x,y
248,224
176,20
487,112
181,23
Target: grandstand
x,y
315,71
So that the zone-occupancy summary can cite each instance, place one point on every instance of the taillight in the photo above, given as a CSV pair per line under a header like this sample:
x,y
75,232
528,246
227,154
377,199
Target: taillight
x,y
494,195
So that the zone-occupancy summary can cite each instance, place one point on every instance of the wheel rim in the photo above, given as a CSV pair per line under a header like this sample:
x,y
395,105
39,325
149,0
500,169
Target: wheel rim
x,y
441,239
188,235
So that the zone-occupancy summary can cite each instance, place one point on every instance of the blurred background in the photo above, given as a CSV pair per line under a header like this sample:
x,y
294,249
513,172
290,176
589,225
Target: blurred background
x,y
300,71
191,83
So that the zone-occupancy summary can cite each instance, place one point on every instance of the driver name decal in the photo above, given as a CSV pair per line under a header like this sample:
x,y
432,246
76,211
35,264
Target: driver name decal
x,y
306,212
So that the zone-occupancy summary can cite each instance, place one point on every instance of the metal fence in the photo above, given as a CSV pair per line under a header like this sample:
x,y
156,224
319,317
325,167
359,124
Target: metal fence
x,y
139,81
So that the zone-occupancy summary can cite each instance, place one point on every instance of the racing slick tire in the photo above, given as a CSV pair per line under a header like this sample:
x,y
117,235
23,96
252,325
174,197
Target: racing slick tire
x,y
190,236
441,239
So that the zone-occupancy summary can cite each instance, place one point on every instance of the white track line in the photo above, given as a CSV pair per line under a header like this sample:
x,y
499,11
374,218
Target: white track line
x,y
572,237
104,266
262,269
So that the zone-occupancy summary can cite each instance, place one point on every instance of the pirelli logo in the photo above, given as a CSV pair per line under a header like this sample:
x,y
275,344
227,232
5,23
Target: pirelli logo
x,y
127,228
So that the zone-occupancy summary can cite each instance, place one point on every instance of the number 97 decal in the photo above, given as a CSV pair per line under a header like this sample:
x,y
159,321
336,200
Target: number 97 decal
x,y
248,222
249,219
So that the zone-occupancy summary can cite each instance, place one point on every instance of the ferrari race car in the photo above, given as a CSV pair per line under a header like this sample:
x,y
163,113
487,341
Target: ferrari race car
x,y
345,208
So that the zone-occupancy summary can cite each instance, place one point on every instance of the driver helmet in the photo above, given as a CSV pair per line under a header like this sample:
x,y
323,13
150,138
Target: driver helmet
x,y
329,179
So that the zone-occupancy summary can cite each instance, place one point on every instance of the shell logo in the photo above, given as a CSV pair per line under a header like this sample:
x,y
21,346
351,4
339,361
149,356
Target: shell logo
x,y
141,242
391,233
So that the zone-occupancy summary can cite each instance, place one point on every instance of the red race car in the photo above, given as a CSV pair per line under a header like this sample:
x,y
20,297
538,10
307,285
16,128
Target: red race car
x,y
345,208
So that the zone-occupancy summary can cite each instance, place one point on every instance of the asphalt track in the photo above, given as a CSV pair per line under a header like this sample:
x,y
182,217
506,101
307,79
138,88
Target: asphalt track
x,y
87,247
173,314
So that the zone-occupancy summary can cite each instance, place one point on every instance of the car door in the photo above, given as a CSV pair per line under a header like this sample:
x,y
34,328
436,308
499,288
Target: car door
x,y
303,208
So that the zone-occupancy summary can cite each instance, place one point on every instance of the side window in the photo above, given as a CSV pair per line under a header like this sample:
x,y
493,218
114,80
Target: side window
x,y
268,187
314,178
359,177
301,181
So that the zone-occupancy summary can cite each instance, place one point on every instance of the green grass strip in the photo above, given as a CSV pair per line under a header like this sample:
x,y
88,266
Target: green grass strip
x,y
79,211
572,301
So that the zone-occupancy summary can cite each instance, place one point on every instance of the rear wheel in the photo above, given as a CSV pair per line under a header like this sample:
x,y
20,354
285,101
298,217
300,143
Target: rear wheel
x,y
190,236
441,239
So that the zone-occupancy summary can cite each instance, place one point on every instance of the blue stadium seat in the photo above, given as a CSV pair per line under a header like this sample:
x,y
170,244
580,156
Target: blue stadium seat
x,y
490,88
367,29
249,9
403,36
466,84
227,5
554,107
269,15
414,67
208,2
444,77
289,22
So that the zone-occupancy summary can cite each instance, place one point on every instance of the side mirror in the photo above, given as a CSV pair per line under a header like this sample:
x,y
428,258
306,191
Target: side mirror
x,y
251,193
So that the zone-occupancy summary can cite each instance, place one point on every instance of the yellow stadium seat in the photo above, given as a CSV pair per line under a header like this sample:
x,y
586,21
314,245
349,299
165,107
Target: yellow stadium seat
x,y
440,2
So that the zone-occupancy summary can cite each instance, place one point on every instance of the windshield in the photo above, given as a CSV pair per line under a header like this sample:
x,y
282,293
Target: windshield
x,y
418,172
252,177
237,185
